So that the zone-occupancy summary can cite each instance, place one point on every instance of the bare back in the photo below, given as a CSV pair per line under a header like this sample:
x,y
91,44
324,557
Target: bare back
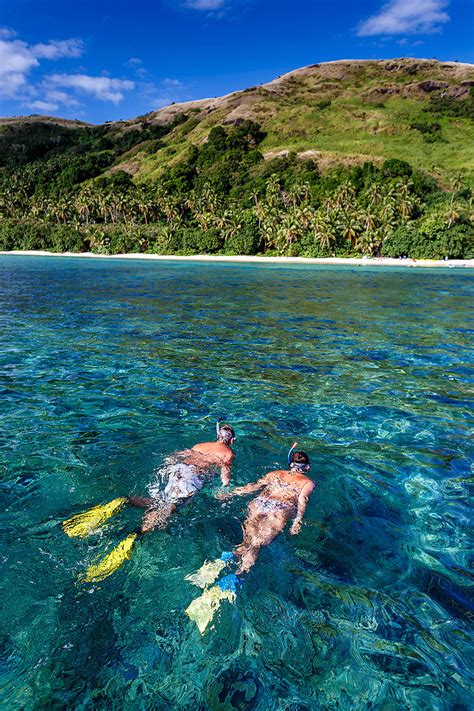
x,y
206,455
285,486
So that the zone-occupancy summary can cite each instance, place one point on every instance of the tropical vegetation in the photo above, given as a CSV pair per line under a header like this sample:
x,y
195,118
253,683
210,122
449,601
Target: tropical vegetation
x,y
72,187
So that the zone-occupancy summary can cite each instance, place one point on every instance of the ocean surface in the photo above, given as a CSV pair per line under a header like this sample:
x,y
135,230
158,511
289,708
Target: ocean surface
x,y
107,366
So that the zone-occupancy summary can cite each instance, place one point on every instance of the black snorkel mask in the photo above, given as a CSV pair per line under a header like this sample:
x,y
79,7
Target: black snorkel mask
x,y
225,435
300,467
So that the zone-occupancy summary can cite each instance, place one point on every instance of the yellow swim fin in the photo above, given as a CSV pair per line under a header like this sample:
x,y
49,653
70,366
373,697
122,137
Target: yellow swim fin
x,y
84,523
207,573
112,561
204,607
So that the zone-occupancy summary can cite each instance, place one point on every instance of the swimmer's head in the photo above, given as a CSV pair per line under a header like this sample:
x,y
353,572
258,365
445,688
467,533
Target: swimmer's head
x,y
299,461
225,434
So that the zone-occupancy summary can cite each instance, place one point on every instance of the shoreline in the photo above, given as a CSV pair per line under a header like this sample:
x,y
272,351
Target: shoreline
x,y
324,261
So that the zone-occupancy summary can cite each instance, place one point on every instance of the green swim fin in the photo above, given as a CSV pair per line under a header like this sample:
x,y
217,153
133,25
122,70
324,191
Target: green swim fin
x,y
204,607
207,573
84,523
112,561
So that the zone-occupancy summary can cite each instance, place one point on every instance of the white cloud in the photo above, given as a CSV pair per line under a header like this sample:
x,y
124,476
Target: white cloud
x,y
17,59
172,82
406,17
57,49
103,88
61,97
11,84
16,56
51,100
7,33
44,107
208,5
136,64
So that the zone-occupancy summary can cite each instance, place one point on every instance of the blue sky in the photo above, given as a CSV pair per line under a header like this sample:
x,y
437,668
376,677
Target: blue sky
x,y
101,60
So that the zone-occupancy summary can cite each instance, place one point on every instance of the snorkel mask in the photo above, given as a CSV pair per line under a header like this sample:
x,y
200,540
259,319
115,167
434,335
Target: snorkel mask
x,y
225,433
300,466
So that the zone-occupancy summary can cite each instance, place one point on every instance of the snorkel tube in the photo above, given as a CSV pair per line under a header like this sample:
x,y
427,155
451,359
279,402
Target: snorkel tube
x,y
290,452
302,464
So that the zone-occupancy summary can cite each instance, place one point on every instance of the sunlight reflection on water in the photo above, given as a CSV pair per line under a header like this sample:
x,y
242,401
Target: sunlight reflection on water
x,y
105,367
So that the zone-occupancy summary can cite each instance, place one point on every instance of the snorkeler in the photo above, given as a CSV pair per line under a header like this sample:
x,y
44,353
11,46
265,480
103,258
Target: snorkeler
x,y
184,474
285,495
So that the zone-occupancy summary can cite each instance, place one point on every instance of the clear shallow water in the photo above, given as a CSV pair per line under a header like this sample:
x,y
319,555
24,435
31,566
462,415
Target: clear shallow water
x,y
106,366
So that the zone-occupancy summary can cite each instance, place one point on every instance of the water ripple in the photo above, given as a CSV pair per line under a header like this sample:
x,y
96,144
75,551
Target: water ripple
x,y
107,367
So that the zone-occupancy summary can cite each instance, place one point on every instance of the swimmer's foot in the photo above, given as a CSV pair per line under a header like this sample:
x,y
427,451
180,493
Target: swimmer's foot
x,y
230,582
83,524
111,562
211,569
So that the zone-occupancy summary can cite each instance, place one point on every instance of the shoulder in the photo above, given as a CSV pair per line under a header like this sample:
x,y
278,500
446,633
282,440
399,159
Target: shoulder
x,y
274,474
198,446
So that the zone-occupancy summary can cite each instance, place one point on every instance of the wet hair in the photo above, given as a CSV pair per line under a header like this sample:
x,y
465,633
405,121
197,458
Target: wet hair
x,y
228,429
299,458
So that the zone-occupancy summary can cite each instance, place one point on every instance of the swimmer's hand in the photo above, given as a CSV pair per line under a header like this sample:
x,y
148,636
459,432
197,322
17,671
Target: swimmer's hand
x,y
296,526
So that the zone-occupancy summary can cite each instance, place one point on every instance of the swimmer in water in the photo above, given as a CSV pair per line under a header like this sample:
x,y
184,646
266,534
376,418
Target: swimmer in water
x,y
284,495
185,473
177,482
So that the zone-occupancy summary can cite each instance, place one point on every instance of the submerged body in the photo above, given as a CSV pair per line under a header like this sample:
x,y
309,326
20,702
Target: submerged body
x,y
177,482
184,474
284,496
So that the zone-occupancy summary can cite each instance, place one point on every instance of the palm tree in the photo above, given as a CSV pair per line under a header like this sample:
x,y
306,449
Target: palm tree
x,y
349,226
386,210
273,193
453,211
343,196
289,230
229,222
323,229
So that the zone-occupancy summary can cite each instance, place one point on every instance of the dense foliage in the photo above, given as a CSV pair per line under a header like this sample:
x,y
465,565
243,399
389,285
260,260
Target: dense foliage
x,y
222,197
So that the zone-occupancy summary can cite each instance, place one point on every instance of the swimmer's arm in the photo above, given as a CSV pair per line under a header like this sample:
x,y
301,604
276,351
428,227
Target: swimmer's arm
x,y
225,474
225,470
302,503
243,490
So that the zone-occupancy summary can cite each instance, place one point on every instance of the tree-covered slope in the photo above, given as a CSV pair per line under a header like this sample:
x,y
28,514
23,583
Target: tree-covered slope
x,y
373,157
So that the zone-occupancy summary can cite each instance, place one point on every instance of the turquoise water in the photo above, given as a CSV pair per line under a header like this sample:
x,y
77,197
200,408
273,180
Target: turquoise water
x,y
107,366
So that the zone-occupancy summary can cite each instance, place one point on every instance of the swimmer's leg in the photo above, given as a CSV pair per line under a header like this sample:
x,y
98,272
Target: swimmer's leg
x,y
157,517
260,529
141,502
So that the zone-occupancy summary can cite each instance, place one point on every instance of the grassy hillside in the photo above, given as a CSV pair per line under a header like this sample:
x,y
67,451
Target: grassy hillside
x,y
344,112
338,112
342,157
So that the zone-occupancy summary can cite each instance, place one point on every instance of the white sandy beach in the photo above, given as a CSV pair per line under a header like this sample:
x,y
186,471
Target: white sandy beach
x,y
327,261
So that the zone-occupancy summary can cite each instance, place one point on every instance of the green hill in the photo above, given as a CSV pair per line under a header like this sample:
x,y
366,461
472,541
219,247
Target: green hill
x,y
353,123
344,112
